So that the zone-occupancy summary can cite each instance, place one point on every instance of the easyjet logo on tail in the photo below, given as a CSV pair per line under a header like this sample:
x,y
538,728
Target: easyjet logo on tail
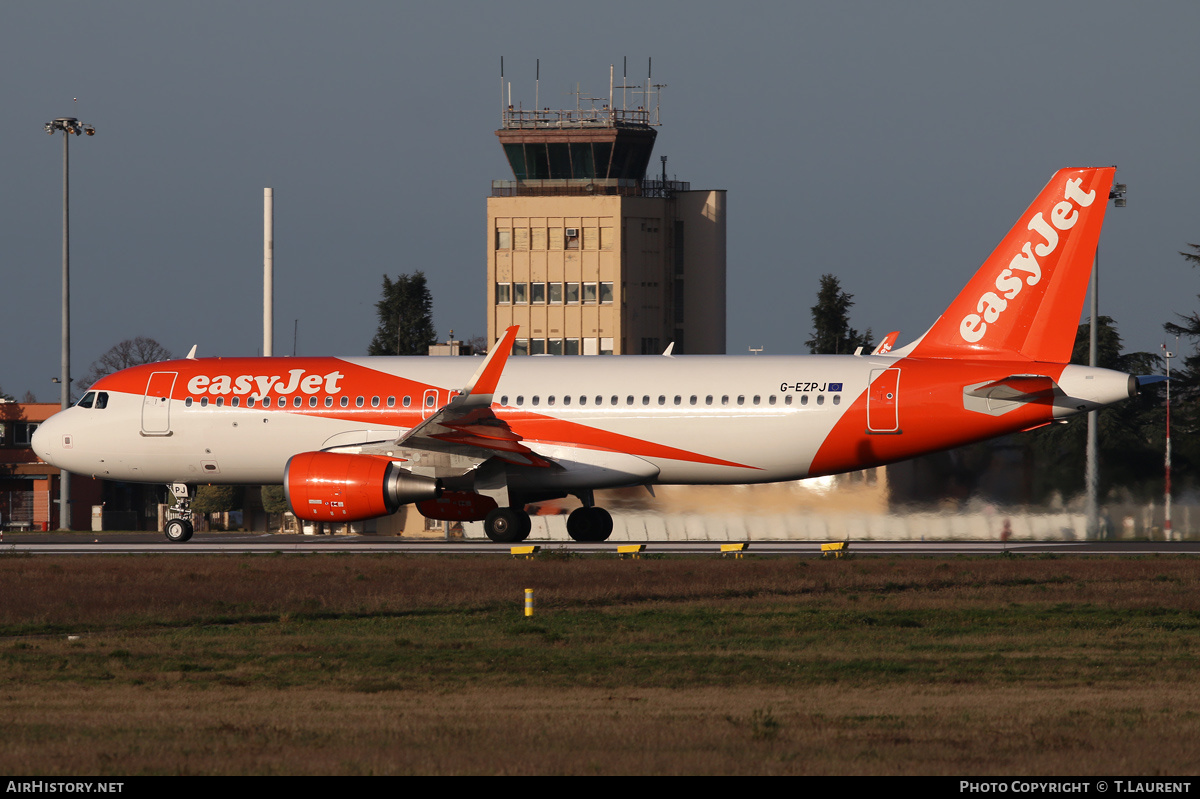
x,y
1025,269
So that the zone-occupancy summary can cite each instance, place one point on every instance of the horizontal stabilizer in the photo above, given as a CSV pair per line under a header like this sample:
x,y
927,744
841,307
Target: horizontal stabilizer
x,y
1015,386
998,397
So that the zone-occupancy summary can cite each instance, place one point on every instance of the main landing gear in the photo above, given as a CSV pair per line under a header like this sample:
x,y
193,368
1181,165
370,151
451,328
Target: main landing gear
x,y
511,525
507,525
179,518
589,524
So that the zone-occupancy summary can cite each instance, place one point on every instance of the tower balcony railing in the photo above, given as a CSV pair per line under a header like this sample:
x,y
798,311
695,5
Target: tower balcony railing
x,y
584,187
517,119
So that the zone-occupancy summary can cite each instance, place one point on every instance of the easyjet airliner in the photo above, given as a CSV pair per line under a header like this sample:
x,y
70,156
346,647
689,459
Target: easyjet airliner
x,y
356,438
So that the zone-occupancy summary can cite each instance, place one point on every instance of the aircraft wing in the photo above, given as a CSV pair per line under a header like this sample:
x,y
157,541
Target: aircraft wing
x,y
464,432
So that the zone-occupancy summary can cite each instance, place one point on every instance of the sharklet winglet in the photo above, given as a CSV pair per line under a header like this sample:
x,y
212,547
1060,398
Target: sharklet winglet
x,y
483,384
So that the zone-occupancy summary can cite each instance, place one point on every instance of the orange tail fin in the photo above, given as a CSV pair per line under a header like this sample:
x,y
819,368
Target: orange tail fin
x,y
1025,301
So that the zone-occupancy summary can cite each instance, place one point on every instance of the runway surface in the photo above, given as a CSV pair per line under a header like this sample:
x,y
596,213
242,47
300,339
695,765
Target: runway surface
x,y
265,543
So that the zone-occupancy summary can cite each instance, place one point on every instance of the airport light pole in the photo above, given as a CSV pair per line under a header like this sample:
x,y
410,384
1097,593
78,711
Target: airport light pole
x,y
1092,468
1168,533
67,125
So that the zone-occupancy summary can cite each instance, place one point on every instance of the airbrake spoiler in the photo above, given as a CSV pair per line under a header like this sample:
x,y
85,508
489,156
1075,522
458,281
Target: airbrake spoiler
x,y
1025,301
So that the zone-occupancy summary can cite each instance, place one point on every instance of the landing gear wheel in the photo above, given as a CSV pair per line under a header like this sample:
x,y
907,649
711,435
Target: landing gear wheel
x,y
178,530
507,525
589,524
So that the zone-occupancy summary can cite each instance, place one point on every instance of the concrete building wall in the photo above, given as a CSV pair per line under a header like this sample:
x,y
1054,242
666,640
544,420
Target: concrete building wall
x,y
602,274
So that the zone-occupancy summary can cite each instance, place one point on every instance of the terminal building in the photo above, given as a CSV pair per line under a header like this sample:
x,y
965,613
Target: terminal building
x,y
589,255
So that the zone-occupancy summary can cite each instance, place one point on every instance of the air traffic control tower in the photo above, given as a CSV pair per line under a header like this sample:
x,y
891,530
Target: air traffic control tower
x,y
588,255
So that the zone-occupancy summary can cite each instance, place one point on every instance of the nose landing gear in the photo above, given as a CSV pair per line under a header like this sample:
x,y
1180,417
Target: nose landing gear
x,y
179,518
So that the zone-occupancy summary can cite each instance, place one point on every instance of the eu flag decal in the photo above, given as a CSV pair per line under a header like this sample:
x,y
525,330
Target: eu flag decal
x,y
835,386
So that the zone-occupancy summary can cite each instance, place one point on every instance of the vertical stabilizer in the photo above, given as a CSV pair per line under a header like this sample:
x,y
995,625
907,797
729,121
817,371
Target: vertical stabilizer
x,y
1026,299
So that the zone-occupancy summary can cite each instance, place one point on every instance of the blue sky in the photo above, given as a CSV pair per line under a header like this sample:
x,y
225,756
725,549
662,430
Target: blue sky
x,y
892,144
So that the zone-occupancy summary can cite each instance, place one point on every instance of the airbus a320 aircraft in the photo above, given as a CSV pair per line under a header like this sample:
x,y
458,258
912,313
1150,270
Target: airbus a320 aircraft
x,y
356,438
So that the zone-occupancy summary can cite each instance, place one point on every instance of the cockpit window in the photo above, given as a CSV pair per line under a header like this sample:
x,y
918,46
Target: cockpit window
x,y
101,400
87,400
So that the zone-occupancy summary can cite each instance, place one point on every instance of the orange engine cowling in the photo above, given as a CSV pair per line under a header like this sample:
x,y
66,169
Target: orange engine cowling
x,y
337,487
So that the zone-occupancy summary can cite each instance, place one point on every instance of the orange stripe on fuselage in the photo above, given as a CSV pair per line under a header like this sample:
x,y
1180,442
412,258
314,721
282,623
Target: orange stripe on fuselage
x,y
931,415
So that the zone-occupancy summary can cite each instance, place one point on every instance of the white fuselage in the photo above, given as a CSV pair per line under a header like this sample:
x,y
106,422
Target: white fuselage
x,y
686,419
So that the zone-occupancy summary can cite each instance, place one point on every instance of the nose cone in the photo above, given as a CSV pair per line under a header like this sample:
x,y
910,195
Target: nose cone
x,y
46,441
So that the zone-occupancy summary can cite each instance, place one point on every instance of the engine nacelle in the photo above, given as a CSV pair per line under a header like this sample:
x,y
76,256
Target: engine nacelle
x,y
338,487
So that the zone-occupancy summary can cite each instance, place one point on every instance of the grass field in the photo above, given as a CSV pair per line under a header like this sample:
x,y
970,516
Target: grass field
x,y
394,664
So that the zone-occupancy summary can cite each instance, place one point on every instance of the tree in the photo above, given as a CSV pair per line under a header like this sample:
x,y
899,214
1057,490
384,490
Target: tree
x,y
405,317
1189,375
212,499
1185,393
832,334
273,499
130,352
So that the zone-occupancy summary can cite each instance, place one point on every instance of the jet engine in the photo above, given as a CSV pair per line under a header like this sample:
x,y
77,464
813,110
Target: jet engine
x,y
338,487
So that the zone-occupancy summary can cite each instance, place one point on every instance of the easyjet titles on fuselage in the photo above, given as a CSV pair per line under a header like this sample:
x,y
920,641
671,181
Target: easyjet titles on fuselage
x,y
1063,216
261,385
